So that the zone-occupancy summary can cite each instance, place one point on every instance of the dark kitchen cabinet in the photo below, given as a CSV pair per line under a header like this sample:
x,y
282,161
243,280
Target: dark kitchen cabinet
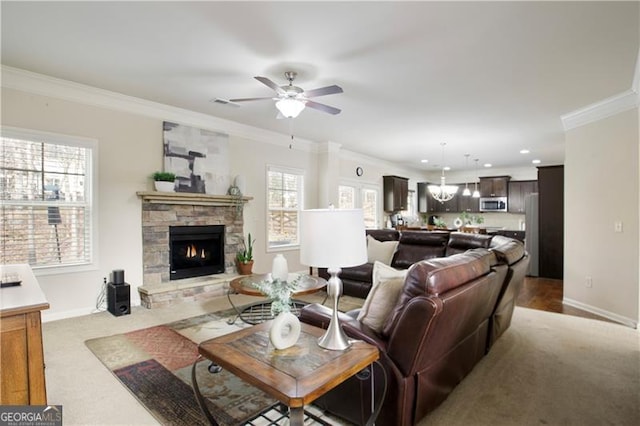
x,y
496,186
550,221
396,191
518,189
467,204
450,206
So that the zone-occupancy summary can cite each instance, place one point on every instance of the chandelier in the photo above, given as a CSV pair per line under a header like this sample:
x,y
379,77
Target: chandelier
x,y
443,192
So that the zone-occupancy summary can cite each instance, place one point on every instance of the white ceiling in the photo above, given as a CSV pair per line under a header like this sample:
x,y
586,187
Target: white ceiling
x,y
487,78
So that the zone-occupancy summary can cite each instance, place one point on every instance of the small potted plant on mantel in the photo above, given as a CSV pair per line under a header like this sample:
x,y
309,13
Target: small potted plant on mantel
x,y
244,257
164,181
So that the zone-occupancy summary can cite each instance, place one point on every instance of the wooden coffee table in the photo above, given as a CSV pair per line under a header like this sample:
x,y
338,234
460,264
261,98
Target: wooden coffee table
x,y
295,376
258,312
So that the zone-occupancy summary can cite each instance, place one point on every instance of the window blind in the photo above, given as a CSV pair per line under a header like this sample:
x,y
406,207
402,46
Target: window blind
x,y
46,201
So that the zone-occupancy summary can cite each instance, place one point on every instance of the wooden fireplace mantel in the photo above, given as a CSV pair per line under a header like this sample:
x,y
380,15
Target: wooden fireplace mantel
x,y
190,198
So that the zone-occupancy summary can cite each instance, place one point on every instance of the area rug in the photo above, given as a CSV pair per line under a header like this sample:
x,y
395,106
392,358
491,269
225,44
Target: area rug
x,y
155,365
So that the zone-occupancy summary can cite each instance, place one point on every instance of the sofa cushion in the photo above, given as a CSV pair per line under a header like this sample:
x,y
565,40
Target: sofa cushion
x,y
380,251
436,276
415,246
386,287
459,242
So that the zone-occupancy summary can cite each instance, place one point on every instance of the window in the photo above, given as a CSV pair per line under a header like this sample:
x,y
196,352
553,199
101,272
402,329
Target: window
x,y
352,197
285,195
411,213
46,194
346,197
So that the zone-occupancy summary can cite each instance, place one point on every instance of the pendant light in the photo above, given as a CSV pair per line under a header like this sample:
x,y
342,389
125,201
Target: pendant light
x,y
443,192
467,191
476,193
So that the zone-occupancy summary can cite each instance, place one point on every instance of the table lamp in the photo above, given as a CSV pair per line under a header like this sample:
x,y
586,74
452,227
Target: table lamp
x,y
333,239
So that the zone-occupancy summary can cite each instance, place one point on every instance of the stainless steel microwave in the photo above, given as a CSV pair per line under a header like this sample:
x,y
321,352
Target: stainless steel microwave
x,y
493,204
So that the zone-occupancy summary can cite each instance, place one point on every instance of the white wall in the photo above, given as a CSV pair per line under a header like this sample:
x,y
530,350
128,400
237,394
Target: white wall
x,y
129,150
601,188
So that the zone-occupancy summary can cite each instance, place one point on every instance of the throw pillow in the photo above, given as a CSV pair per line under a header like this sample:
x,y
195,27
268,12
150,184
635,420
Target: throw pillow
x,y
381,251
385,290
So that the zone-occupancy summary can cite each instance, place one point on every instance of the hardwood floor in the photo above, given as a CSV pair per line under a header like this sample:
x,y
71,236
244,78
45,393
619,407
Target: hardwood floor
x,y
546,295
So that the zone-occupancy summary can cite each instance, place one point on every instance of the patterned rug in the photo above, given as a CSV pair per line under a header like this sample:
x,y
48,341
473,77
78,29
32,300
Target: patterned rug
x,y
155,365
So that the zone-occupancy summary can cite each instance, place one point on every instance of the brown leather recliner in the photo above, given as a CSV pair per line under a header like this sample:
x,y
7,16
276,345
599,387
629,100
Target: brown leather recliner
x,y
433,338
512,253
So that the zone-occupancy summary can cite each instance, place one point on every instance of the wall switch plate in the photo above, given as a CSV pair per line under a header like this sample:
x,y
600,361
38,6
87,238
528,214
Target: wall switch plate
x,y
588,282
617,226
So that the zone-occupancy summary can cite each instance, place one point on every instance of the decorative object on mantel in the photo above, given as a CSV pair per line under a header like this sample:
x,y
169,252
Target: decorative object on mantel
x,y
244,258
199,158
164,181
285,329
333,239
443,192
236,195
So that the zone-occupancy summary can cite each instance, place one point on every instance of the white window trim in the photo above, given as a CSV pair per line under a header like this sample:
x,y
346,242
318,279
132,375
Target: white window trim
x,y
290,170
92,144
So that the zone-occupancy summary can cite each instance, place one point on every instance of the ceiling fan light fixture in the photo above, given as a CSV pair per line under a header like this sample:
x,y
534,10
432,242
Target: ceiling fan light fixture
x,y
290,107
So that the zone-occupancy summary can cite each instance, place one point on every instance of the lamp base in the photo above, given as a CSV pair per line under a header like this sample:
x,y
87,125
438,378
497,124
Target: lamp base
x,y
334,338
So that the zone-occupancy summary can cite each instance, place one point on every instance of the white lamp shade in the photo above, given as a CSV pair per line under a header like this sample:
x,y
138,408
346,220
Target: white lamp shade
x,y
332,238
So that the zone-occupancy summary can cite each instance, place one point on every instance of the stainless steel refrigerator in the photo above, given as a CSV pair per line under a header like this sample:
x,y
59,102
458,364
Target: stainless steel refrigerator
x,y
531,241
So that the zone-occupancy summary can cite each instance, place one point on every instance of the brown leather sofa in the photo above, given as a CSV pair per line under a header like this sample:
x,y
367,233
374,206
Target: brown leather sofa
x,y
436,334
413,246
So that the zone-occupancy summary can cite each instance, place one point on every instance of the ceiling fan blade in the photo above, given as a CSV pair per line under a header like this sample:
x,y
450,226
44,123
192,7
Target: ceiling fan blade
x,y
323,107
329,90
248,99
271,84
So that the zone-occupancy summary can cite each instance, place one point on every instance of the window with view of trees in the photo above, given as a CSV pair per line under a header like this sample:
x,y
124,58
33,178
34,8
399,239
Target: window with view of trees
x,y
351,197
285,195
45,193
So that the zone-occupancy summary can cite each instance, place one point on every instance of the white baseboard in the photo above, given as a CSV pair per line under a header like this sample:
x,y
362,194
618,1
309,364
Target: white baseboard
x,y
606,314
55,316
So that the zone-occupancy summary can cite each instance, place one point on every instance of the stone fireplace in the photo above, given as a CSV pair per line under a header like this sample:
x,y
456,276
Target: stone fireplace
x,y
207,215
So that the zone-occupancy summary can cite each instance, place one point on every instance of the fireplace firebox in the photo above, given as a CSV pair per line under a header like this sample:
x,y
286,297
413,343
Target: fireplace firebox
x,y
195,251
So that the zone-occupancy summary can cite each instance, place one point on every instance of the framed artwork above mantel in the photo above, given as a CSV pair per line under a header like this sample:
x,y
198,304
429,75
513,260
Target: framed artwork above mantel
x,y
199,158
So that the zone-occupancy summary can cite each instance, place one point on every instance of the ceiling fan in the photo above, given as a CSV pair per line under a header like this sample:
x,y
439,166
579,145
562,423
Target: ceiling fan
x,y
291,100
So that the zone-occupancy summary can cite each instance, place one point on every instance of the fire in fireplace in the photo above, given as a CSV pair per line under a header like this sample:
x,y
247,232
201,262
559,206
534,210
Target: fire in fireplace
x,y
196,251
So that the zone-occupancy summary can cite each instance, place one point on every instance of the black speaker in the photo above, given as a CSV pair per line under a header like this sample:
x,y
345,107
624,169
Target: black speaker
x,y
117,276
119,299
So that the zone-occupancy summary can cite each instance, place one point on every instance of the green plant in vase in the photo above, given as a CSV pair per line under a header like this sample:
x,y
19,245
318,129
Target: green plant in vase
x,y
244,257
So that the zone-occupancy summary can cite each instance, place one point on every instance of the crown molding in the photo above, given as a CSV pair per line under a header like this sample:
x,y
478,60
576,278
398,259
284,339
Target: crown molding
x,y
601,109
40,84
607,107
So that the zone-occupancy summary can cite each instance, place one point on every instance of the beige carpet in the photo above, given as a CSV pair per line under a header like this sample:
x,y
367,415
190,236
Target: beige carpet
x,y
551,369
547,369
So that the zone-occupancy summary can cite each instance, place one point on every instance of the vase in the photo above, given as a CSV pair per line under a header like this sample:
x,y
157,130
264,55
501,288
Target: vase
x,y
245,268
284,331
279,268
164,186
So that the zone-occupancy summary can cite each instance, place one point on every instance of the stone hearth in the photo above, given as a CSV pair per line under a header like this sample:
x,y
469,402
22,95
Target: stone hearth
x,y
160,210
